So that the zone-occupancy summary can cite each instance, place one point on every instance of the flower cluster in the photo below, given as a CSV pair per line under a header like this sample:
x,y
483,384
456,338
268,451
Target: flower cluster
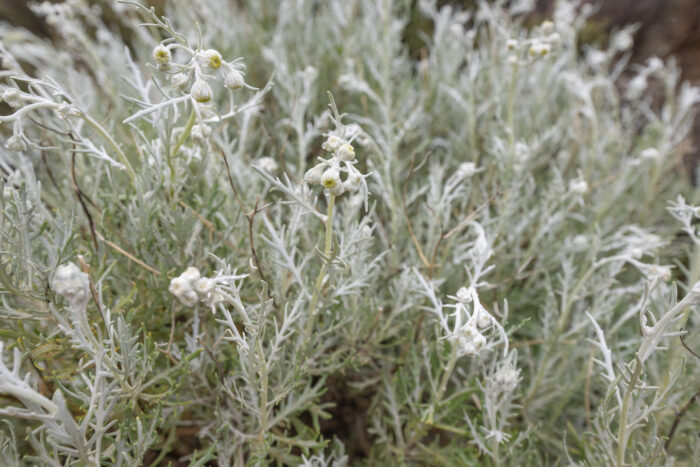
x,y
328,171
191,287
195,70
471,322
72,284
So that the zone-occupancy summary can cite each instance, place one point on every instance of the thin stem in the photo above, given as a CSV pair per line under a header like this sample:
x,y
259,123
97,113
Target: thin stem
x,y
624,413
185,133
322,272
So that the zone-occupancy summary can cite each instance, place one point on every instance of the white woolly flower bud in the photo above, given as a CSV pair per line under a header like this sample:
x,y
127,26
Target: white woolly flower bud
x,y
212,58
547,26
512,44
467,169
12,97
539,49
346,152
578,186
204,285
200,133
483,319
72,284
353,182
16,143
191,274
332,144
469,341
162,56
314,174
201,91
623,40
650,154
183,286
554,38
636,87
507,377
330,178
179,80
463,295
234,79
337,190
268,164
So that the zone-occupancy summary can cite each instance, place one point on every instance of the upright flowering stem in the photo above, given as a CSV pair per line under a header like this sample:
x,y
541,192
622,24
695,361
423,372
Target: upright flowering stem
x,y
185,133
329,225
622,435
324,268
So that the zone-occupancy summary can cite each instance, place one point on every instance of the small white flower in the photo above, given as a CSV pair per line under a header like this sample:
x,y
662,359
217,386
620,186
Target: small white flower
x,y
346,152
314,174
353,182
201,91
234,79
268,164
512,60
539,49
72,284
191,274
623,41
512,44
469,341
337,190
212,58
200,133
547,27
507,377
467,169
332,144
483,319
553,38
179,80
162,56
204,285
636,87
650,154
578,186
330,178
178,286
463,295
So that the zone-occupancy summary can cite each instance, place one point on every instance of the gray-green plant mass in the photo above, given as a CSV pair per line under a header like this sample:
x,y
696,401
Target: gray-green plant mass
x,y
272,233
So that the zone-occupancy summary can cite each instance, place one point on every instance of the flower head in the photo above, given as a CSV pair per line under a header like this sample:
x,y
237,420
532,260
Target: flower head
x,y
201,91
212,58
233,79
162,56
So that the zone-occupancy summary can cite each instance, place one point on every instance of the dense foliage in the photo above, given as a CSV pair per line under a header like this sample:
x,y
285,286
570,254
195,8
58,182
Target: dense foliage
x,y
391,232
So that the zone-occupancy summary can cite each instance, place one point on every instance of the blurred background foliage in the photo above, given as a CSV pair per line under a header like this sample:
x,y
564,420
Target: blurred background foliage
x,y
666,28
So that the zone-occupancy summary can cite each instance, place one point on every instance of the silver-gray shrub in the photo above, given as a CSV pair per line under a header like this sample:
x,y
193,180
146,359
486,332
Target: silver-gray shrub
x,y
500,265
